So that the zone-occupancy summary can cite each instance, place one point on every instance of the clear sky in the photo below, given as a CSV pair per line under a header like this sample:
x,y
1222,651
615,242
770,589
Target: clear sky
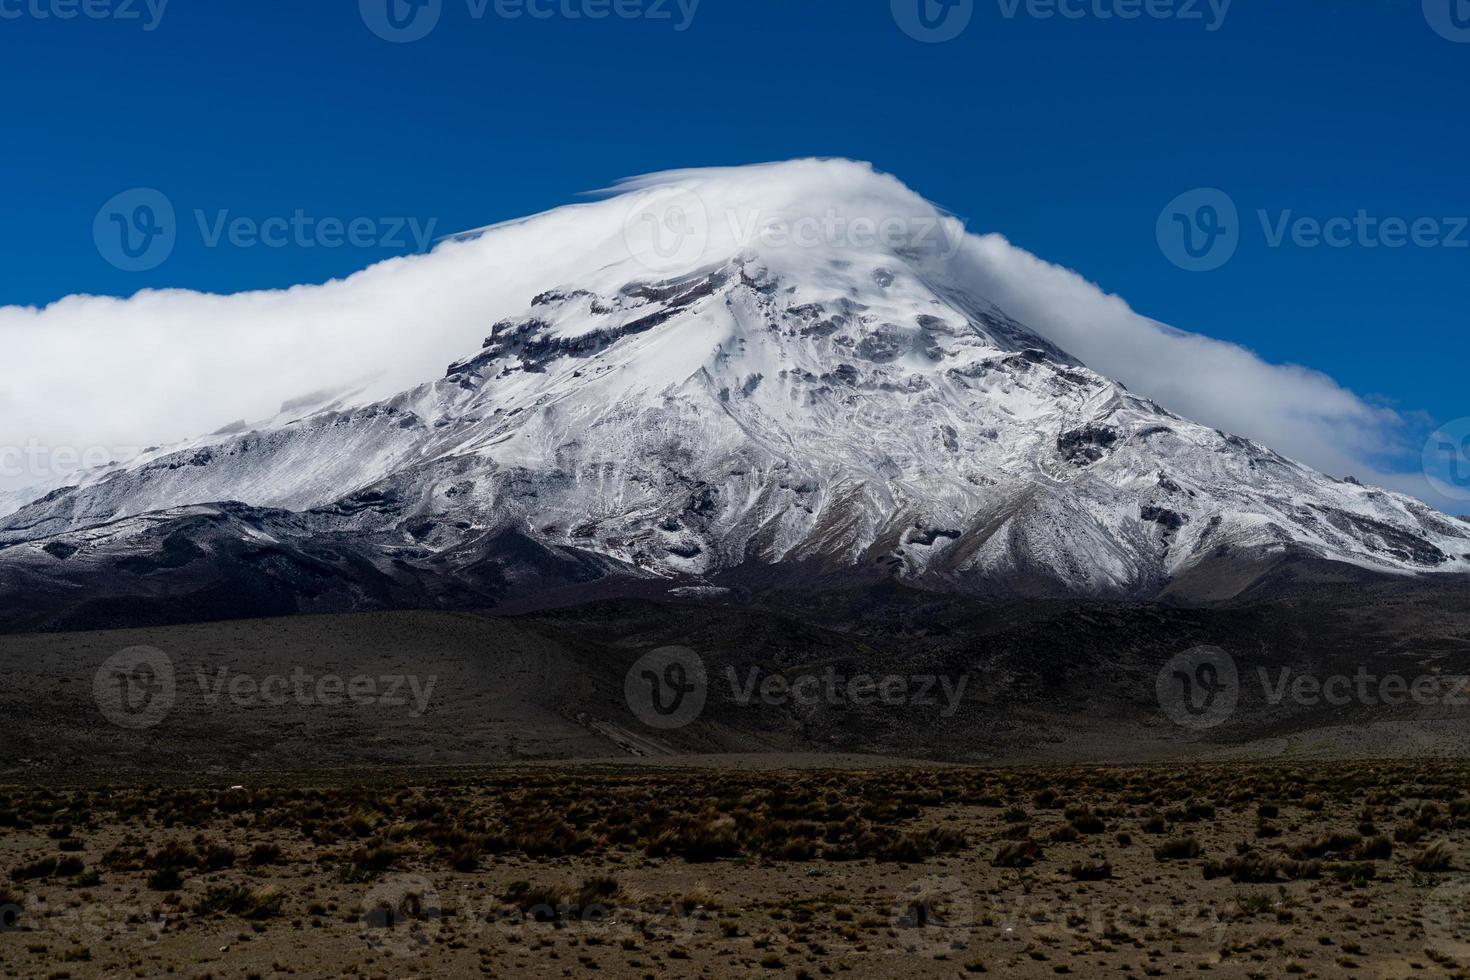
x,y
1070,134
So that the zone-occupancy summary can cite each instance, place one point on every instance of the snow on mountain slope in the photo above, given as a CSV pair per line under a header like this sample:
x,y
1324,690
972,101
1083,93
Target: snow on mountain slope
x,y
705,377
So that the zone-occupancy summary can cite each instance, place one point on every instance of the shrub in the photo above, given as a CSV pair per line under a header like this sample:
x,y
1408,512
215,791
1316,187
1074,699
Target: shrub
x,y
1376,848
1333,843
173,855
1091,871
238,900
369,862
1178,849
216,857
1088,823
798,849
165,879
1017,854
1254,904
43,868
1357,873
1256,868
466,858
1435,857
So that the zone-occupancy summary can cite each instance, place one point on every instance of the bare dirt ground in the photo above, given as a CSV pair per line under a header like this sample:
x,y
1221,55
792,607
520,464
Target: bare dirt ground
x,y
770,869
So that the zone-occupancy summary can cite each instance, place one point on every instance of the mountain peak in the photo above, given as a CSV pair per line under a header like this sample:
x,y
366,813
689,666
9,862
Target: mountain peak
x,y
722,376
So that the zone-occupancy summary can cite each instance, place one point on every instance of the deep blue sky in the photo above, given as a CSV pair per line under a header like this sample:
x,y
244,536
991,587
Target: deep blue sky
x,y
1068,136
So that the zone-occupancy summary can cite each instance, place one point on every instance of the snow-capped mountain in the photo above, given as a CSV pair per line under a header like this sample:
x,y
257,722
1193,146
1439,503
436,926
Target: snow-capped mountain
x,y
701,392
